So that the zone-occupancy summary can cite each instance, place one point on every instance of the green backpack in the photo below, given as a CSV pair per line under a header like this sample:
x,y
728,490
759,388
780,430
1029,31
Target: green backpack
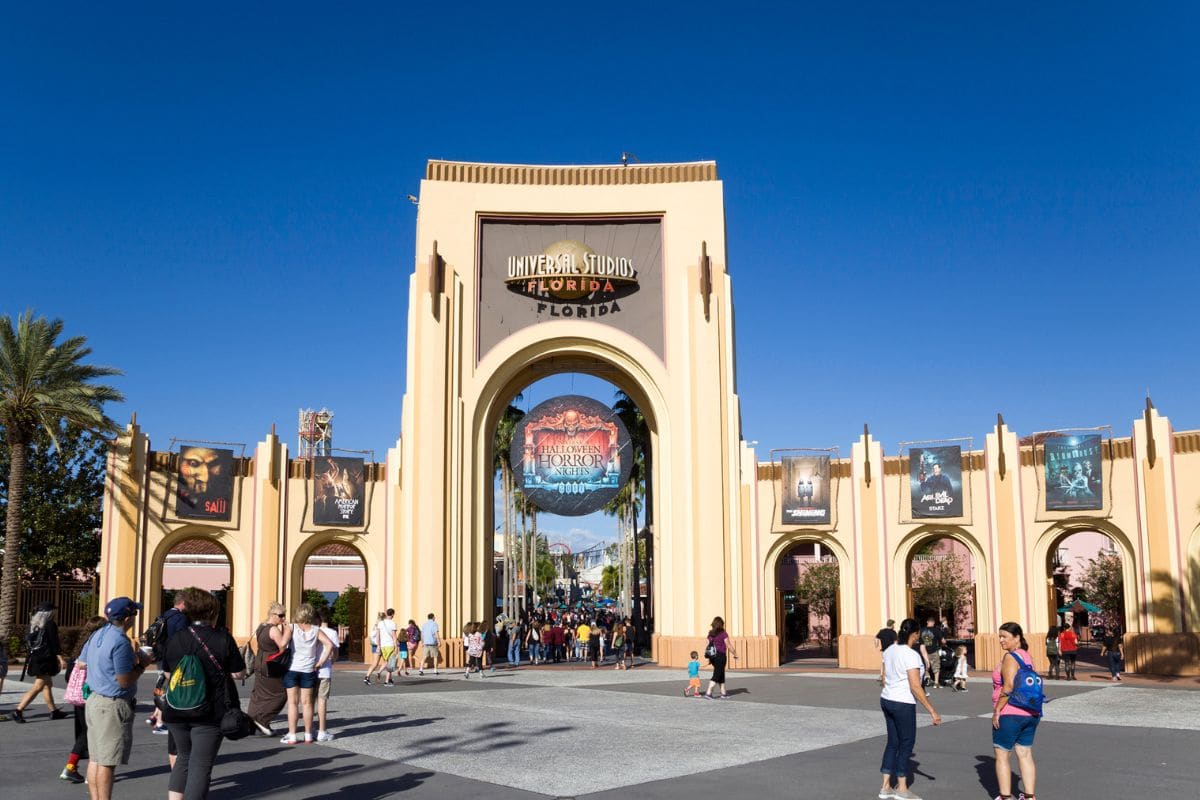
x,y
186,697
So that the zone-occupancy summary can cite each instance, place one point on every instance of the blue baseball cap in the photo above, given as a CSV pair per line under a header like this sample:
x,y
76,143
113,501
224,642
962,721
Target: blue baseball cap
x,y
121,608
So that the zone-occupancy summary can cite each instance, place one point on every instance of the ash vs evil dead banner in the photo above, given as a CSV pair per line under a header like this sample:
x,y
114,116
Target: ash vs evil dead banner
x,y
204,483
935,480
571,455
338,491
1073,473
806,490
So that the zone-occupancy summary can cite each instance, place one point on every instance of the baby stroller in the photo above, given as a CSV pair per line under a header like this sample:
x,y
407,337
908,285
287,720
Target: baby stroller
x,y
949,662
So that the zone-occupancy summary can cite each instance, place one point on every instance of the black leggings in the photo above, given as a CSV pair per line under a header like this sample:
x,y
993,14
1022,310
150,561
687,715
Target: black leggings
x,y
198,746
718,665
80,747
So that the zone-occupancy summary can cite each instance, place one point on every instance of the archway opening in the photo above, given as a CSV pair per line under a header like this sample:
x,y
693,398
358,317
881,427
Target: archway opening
x,y
1085,579
201,563
335,583
807,585
941,585
555,559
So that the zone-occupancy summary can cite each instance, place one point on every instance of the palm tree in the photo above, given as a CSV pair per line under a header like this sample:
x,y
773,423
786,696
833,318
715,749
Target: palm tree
x,y
44,384
502,441
628,502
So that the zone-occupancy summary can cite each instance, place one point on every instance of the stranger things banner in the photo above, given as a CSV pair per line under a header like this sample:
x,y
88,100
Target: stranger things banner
x,y
806,490
935,481
204,484
338,491
571,455
1074,474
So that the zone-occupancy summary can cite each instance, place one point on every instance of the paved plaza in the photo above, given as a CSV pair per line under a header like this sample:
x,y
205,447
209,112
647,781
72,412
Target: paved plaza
x,y
581,733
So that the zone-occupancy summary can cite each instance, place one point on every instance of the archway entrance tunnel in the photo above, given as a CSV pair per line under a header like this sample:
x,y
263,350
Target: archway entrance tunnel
x,y
548,566
807,613
1085,584
203,564
335,583
941,583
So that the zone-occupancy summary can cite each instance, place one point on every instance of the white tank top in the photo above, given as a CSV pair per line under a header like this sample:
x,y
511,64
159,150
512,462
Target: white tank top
x,y
304,649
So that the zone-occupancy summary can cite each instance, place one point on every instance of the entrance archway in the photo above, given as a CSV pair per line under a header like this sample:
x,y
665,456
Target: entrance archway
x,y
333,578
942,578
807,611
202,563
1078,562
617,368
1061,554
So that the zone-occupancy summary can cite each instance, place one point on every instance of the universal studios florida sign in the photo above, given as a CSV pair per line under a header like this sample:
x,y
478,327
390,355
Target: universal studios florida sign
x,y
569,279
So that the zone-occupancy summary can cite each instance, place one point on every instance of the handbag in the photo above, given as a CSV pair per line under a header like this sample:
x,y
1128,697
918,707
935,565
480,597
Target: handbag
x,y
392,662
76,686
710,652
278,664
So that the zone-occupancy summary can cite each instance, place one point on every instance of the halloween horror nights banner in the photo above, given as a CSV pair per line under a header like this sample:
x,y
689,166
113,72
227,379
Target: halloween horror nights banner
x,y
1073,472
338,491
571,455
204,484
606,271
935,481
806,490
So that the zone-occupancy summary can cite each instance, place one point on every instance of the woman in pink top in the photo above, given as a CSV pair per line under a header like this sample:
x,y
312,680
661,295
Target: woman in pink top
x,y
1012,728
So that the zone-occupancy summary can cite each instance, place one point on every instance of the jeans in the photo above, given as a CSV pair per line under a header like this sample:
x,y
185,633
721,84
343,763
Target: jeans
x,y
1114,663
514,651
198,746
901,719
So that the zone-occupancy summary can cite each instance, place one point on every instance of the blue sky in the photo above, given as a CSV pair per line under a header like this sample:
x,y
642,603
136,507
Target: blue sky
x,y
934,212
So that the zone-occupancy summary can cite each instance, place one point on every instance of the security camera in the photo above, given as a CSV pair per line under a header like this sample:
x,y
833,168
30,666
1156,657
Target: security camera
x,y
413,199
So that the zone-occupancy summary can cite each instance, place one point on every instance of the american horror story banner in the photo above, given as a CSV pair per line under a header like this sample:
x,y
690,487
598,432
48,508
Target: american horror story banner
x,y
571,455
603,271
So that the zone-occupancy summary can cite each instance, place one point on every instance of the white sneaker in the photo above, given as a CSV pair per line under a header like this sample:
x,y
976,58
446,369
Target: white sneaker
x,y
288,739
324,736
904,794
885,794
308,738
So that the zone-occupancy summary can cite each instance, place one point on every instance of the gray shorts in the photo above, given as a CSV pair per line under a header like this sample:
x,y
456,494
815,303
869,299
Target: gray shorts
x,y
110,730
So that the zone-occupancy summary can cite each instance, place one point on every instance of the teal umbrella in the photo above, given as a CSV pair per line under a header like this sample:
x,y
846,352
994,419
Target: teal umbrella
x,y
1080,606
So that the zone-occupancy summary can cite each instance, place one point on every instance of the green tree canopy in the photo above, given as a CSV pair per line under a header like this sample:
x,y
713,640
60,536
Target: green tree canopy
x,y
1104,583
64,489
45,385
818,586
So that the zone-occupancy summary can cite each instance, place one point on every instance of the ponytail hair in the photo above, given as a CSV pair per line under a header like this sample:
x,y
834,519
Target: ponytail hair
x,y
1013,629
907,628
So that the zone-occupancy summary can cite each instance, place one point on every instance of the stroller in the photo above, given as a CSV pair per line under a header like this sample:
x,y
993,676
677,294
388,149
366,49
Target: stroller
x,y
949,662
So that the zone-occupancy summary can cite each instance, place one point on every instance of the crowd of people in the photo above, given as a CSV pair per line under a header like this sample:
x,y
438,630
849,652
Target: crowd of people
x,y
292,664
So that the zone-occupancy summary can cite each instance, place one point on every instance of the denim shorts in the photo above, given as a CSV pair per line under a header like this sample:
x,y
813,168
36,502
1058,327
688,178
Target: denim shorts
x,y
1014,730
305,680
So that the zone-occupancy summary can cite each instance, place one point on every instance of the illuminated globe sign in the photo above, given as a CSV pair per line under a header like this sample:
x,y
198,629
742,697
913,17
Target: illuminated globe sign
x,y
571,455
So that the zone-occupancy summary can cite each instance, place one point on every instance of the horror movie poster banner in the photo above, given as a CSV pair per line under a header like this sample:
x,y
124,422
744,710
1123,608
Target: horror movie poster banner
x,y
338,491
571,455
605,271
1073,473
806,490
935,480
204,484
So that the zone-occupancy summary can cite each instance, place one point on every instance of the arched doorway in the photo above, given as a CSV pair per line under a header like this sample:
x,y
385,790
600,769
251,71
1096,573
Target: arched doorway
x,y
941,581
201,563
1085,580
334,581
542,561
807,611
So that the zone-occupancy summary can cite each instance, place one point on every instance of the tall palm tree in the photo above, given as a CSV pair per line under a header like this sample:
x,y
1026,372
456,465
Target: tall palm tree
x,y
506,429
628,502
43,384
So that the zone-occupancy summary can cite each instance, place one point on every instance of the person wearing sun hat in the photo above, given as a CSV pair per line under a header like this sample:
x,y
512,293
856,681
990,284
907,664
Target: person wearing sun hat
x,y
113,669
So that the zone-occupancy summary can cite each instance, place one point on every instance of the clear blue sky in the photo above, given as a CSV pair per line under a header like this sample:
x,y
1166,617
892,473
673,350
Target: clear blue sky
x,y
934,213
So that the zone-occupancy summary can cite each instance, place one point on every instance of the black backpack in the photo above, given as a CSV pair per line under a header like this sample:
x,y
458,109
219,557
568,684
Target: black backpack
x,y
35,640
155,637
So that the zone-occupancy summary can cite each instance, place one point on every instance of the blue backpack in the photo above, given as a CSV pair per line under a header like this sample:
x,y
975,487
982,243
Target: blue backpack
x,y
1027,692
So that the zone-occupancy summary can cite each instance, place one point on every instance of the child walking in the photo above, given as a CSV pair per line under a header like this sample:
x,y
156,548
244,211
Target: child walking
x,y
693,687
960,668
474,650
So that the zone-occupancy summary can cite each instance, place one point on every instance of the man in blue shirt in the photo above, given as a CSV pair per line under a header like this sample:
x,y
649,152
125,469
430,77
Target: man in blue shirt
x,y
113,669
